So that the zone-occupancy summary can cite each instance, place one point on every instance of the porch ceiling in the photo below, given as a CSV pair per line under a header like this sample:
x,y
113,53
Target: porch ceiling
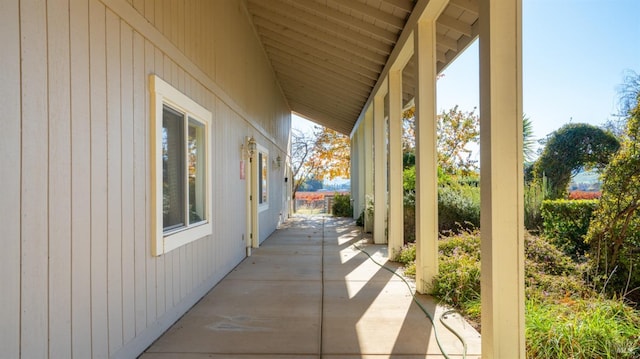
x,y
329,54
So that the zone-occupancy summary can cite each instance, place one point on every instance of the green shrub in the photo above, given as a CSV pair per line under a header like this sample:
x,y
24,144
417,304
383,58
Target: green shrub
x,y
342,205
581,329
549,273
566,222
458,279
614,234
407,256
458,208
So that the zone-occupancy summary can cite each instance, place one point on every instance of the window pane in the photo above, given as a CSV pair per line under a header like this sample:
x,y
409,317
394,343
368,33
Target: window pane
x,y
260,183
172,169
197,175
263,178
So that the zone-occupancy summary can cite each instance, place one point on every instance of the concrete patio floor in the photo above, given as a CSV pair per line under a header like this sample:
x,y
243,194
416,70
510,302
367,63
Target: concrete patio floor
x,y
307,292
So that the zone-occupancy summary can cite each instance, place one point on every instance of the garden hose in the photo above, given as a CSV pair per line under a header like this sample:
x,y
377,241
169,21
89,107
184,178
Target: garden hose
x,y
424,310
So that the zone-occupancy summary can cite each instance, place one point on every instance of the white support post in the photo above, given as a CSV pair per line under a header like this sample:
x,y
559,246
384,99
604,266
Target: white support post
x,y
501,162
426,156
396,209
368,167
380,171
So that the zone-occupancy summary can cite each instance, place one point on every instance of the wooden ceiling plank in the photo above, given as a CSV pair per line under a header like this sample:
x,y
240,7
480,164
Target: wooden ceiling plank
x,y
348,20
267,11
454,24
294,31
341,93
339,84
447,42
321,51
321,68
467,5
320,97
326,110
350,67
378,14
403,5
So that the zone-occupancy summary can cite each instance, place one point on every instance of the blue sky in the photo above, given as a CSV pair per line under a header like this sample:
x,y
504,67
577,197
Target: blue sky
x,y
574,56
575,53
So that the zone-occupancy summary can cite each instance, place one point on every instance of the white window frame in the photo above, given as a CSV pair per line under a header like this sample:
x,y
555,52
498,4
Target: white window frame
x,y
262,206
162,94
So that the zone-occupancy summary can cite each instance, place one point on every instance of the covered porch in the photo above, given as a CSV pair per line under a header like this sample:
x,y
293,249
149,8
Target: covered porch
x,y
309,292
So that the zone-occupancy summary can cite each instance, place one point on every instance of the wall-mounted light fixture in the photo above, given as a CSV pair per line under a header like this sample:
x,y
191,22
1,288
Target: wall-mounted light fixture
x,y
251,145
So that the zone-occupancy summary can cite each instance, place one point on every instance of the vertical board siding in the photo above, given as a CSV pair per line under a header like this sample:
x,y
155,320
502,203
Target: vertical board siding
x,y
98,100
35,171
127,154
141,243
114,183
59,179
151,264
80,180
78,273
10,178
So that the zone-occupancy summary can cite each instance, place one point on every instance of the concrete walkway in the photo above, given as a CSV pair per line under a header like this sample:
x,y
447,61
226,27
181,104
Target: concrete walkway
x,y
307,292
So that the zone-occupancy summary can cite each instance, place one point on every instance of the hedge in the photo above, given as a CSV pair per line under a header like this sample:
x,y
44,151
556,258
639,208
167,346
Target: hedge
x,y
566,222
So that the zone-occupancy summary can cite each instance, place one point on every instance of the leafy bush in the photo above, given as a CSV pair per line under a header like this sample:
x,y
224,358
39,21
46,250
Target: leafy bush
x,y
566,222
615,231
458,280
407,256
342,205
581,329
458,208
564,317
549,273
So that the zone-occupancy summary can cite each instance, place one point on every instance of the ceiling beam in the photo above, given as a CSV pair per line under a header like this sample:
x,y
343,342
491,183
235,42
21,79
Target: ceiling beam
x,y
295,31
315,93
373,12
321,68
340,85
403,5
447,42
351,67
467,5
349,20
454,24
339,124
322,51
341,91
294,15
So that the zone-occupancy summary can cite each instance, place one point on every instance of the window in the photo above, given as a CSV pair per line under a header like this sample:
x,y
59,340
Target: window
x,y
263,184
263,178
181,191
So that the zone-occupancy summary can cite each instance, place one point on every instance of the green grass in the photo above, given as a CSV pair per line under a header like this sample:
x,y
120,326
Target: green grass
x,y
565,318
583,328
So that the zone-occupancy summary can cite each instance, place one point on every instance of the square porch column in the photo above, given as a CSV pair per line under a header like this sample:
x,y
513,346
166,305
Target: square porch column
x,y
396,205
426,155
501,173
380,170
368,167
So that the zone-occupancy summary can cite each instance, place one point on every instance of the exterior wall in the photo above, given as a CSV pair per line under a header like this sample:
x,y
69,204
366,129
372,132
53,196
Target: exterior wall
x,y
78,279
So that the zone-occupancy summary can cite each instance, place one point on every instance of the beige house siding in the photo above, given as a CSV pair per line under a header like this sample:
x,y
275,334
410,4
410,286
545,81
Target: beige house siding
x,y
77,275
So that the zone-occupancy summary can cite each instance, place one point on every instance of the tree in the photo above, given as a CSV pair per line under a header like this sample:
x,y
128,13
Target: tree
x,y
331,156
571,148
614,232
456,130
302,145
322,154
528,143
